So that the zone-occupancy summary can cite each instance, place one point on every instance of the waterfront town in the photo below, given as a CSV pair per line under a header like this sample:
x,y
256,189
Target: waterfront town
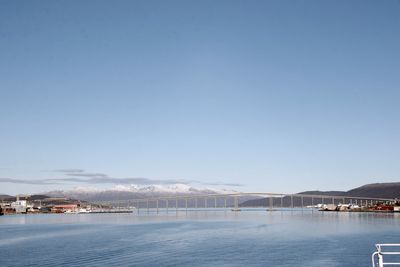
x,y
37,204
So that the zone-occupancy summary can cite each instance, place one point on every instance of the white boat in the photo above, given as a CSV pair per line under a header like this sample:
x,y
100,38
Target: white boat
x,y
81,210
70,212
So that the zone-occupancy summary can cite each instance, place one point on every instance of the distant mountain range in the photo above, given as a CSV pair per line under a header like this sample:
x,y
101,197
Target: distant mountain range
x,y
123,192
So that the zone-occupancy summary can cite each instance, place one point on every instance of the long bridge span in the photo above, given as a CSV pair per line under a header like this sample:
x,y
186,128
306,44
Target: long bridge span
x,y
236,201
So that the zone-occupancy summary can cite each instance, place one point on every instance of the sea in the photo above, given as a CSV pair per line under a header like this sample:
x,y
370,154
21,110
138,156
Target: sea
x,y
253,237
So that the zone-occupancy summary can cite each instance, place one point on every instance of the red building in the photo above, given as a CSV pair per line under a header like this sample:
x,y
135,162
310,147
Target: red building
x,y
65,208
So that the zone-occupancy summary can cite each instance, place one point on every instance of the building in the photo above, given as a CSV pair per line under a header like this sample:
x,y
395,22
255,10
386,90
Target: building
x,y
20,206
65,208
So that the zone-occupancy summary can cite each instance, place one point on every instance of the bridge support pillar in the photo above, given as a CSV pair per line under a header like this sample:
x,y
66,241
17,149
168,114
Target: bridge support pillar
x,y
271,203
291,202
236,204
302,202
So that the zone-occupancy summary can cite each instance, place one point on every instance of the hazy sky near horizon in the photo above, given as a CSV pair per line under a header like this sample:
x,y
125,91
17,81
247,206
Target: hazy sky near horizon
x,y
270,95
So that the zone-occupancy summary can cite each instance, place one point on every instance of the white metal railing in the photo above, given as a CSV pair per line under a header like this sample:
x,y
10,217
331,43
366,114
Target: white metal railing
x,y
385,249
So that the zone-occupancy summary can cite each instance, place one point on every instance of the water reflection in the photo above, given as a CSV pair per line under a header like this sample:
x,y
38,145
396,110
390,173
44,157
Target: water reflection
x,y
200,238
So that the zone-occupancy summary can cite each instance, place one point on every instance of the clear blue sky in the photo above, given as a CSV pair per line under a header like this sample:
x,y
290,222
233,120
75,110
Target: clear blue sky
x,y
274,95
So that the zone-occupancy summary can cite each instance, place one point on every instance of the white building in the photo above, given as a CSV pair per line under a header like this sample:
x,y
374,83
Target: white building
x,y
20,206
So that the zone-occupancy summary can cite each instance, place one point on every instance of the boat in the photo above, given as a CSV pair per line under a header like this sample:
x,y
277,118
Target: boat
x,y
329,207
81,210
70,212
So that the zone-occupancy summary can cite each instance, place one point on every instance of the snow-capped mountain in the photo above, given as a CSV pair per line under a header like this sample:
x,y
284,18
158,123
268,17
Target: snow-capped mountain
x,y
124,192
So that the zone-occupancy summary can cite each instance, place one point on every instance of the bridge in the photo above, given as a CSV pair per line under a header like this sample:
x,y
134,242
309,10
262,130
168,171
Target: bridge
x,y
236,201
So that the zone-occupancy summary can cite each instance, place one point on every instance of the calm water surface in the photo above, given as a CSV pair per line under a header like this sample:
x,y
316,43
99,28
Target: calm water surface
x,y
203,238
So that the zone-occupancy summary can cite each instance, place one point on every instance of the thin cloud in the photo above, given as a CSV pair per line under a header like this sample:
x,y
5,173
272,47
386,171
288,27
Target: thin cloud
x,y
113,180
23,181
217,184
224,184
238,185
92,180
81,176
80,173
70,170
88,175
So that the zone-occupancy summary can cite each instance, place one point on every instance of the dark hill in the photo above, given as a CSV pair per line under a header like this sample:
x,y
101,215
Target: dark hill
x,y
377,190
31,198
383,190
324,193
4,197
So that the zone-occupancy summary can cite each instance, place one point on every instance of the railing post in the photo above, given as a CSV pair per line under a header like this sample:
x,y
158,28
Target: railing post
x,y
215,202
167,204
195,202
176,204
186,204
147,206
225,202
380,259
205,202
